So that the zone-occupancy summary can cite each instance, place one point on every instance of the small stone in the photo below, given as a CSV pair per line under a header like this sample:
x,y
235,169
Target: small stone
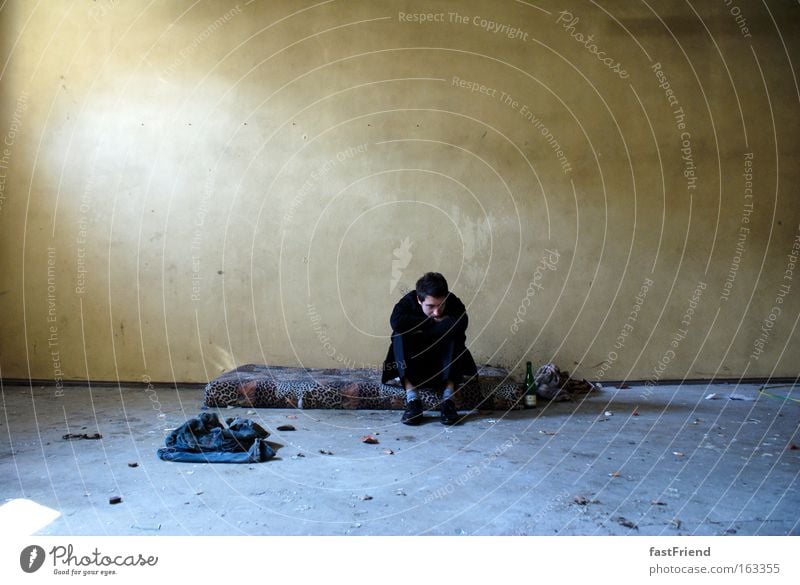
x,y
622,521
115,500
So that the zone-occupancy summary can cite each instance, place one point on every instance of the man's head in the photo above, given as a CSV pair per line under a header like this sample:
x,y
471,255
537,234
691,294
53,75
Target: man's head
x,y
432,293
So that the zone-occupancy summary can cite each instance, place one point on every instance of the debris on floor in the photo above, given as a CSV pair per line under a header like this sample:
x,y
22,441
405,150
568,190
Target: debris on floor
x,y
738,396
622,521
73,436
732,396
148,528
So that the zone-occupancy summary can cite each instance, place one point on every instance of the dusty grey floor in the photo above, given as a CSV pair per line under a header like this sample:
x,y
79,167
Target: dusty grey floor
x,y
644,461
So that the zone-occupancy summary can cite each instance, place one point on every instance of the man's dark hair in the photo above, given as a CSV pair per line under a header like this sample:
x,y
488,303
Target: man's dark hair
x,y
432,284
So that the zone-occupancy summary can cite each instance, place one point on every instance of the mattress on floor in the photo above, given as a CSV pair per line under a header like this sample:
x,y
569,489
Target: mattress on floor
x,y
261,386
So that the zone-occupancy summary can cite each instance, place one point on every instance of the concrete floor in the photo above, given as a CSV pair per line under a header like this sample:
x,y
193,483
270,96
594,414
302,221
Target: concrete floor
x,y
643,461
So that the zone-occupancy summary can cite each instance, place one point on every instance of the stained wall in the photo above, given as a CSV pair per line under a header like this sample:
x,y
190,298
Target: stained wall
x,y
191,186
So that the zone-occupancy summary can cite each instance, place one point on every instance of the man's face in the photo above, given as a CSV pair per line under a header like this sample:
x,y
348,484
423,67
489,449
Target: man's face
x,y
433,306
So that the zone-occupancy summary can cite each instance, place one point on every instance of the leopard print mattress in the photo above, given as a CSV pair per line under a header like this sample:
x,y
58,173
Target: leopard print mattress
x,y
262,386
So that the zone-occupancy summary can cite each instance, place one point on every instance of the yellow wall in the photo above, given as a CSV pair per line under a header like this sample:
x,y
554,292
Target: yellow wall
x,y
187,187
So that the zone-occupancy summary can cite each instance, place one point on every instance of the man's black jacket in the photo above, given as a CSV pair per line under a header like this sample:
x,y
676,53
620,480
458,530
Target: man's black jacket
x,y
409,319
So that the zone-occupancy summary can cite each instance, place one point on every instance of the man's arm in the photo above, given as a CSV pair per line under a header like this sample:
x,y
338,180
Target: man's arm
x,y
407,316
455,321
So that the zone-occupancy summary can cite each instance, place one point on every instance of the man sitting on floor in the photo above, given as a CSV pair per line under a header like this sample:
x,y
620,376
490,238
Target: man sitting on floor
x,y
428,347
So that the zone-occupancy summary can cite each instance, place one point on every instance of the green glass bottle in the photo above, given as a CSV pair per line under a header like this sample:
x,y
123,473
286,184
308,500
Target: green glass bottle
x,y
529,399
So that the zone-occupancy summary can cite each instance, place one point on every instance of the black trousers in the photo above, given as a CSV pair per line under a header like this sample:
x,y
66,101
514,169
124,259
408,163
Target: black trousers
x,y
426,362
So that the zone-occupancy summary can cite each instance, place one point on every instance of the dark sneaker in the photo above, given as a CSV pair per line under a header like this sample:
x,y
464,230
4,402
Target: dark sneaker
x,y
413,413
449,414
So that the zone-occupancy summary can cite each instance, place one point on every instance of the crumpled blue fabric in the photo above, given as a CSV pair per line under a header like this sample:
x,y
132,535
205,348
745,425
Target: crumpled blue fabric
x,y
204,439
